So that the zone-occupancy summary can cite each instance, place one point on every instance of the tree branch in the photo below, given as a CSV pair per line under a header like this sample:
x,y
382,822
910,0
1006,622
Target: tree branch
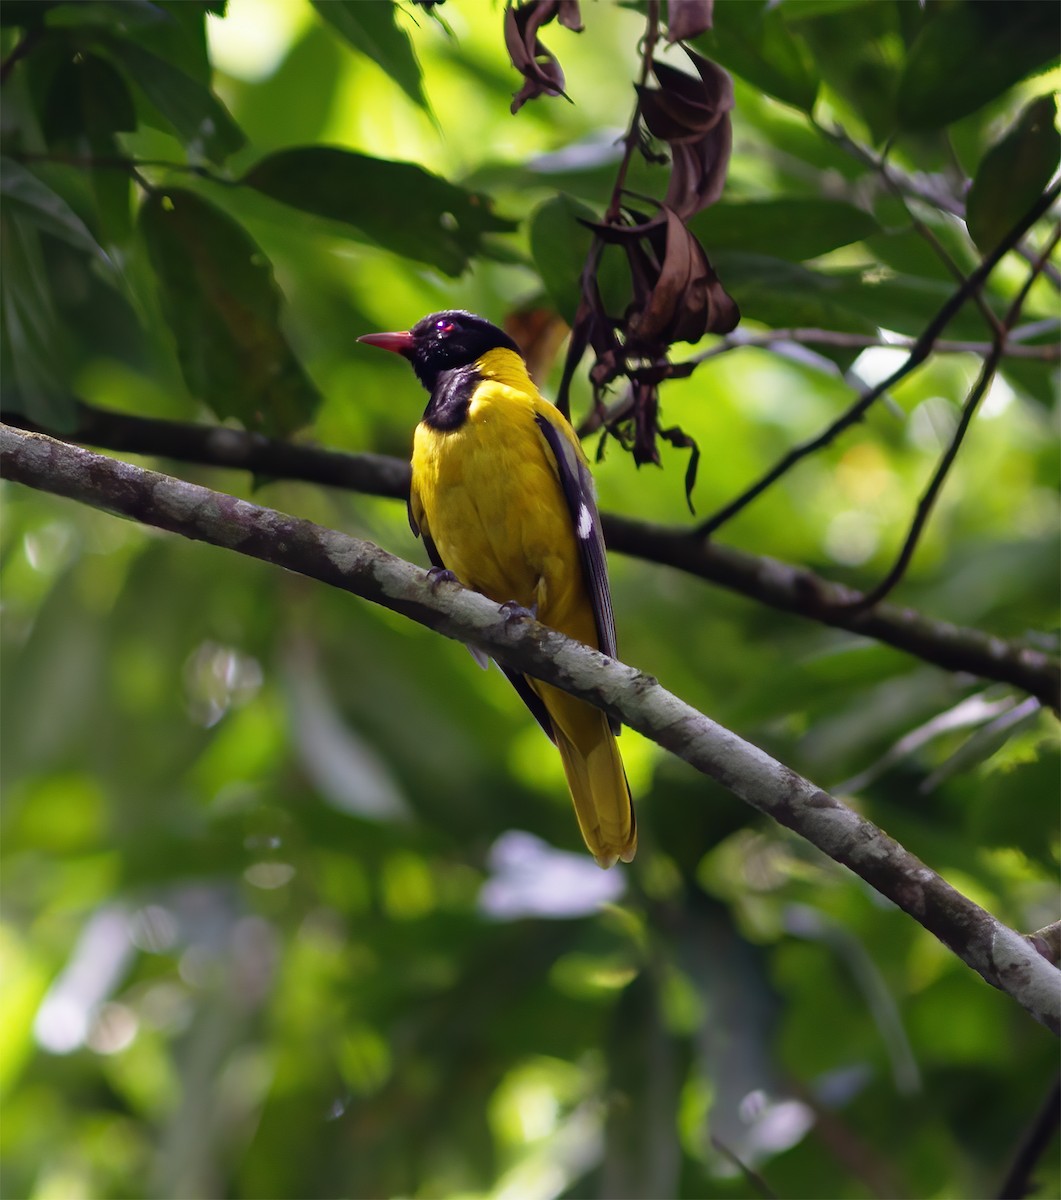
x,y
919,352
798,590
999,954
1019,1181
782,340
780,585
972,402
926,188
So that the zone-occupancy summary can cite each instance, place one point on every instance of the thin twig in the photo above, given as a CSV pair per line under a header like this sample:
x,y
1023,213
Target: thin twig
x,y
919,352
868,341
1003,957
928,235
120,162
931,493
926,188
27,42
1019,1182
753,1177
632,138
738,340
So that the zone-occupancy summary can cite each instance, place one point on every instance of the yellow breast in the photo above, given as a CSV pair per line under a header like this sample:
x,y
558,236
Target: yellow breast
x,y
489,495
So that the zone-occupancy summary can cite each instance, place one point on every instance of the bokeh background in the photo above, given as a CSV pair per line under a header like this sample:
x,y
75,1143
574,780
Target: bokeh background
x,y
293,899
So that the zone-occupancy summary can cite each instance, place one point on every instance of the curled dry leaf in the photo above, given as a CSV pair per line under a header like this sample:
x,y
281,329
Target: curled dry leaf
x,y
677,297
688,18
542,73
675,294
692,115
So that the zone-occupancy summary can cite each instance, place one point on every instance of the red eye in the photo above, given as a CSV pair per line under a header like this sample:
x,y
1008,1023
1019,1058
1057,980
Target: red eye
x,y
444,327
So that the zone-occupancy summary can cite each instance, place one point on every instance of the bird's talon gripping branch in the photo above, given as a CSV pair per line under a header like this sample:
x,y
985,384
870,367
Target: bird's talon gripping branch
x,y
514,611
440,575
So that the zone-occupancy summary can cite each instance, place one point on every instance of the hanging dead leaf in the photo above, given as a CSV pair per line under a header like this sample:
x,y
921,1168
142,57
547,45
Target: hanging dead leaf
x,y
541,71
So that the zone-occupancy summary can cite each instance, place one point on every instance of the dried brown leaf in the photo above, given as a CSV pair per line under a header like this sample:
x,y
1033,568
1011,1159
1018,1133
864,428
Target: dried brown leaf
x,y
688,18
541,71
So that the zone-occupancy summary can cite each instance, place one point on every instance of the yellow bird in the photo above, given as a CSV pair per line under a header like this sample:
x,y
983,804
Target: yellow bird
x,y
503,498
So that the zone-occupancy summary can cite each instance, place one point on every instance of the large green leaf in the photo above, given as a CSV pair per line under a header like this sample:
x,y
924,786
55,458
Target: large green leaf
x,y
88,103
972,52
784,295
223,305
1013,174
27,195
397,205
87,96
751,38
559,244
792,227
906,304
372,29
858,53
194,112
31,340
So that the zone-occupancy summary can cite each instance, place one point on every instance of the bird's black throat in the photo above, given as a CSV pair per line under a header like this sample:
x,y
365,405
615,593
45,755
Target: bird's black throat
x,y
451,397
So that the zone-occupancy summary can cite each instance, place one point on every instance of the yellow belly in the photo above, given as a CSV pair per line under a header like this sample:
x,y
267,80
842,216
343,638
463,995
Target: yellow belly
x,y
492,502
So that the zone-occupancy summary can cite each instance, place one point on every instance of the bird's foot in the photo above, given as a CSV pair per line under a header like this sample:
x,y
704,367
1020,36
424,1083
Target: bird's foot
x,y
514,611
438,576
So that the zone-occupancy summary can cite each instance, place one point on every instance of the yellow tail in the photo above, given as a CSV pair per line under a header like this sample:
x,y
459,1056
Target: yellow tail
x,y
595,775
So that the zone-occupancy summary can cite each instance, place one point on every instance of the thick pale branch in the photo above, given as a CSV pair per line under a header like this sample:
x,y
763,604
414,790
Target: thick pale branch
x,y
781,585
1004,958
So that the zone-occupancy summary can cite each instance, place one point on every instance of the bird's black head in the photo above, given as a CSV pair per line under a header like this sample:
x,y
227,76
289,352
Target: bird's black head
x,y
442,341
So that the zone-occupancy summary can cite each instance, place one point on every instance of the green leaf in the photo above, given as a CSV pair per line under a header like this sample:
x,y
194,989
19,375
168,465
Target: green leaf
x,y
223,305
906,304
397,205
751,38
793,228
88,102
194,112
118,14
783,295
559,245
1013,174
858,53
372,29
24,193
87,96
970,53
32,347
26,13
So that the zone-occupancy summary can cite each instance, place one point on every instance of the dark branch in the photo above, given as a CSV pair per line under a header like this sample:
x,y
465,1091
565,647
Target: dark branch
x,y
926,188
804,593
780,585
999,954
919,352
928,499
1020,1182
22,47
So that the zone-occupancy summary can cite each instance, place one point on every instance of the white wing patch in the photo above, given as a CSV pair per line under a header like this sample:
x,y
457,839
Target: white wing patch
x,y
585,521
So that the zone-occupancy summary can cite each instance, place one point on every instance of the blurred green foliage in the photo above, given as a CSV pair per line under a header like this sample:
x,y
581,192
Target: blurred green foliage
x,y
274,923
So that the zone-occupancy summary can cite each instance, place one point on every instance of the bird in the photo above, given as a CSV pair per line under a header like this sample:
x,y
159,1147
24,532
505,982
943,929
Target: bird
x,y
503,499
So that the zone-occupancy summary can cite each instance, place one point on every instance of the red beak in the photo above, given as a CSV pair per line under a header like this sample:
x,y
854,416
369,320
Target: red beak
x,y
396,343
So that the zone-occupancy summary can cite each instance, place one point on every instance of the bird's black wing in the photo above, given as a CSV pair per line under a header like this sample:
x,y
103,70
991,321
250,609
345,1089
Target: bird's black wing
x,y
578,491
523,689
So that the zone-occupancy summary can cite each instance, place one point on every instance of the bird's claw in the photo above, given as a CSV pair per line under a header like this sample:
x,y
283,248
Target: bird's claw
x,y
514,611
439,575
